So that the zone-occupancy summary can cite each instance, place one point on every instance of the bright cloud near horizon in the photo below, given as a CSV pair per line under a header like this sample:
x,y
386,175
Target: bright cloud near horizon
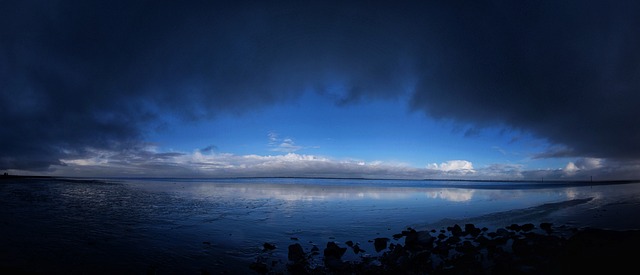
x,y
409,89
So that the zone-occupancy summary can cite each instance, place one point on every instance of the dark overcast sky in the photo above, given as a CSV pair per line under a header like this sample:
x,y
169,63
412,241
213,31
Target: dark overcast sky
x,y
77,77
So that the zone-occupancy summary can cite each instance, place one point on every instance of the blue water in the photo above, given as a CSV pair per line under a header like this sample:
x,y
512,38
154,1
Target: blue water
x,y
219,225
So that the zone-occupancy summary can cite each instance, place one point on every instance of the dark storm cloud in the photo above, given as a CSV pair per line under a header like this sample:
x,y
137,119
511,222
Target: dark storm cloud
x,y
78,77
98,74
566,71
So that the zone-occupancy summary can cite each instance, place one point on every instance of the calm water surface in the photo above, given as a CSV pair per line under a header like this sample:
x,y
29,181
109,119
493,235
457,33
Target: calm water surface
x,y
193,225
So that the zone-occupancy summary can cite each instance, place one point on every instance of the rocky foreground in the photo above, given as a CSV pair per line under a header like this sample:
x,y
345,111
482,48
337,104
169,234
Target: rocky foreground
x,y
515,249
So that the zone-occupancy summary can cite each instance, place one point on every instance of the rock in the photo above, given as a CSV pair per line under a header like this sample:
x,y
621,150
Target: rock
x,y
419,240
456,230
334,264
315,251
514,227
268,246
356,249
472,230
527,227
380,244
522,247
260,268
546,227
332,257
483,241
598,251
466,248
502,232
405,232
296,253
349,243
334,251
452,240
395,256
441,249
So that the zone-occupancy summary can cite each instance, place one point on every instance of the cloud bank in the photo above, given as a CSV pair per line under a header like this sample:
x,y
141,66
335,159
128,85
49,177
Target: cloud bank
x,y
206,164
79,78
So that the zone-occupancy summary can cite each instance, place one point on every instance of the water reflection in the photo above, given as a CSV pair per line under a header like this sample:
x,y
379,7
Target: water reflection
x,y
354,191
191,224
455,195
314,192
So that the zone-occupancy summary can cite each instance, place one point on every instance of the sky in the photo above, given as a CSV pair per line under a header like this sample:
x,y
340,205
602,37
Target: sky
x,y
522,90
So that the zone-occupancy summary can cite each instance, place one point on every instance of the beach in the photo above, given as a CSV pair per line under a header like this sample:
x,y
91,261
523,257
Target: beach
x,y
166,226
601,244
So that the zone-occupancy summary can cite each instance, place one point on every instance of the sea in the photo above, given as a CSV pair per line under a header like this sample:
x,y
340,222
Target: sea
x,y
220,226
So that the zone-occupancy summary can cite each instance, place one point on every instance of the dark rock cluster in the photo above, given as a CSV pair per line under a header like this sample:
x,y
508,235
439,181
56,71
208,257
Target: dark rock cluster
x,y
515,249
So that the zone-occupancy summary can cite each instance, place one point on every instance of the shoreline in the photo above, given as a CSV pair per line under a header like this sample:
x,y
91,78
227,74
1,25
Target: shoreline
x,y
579,235
514,249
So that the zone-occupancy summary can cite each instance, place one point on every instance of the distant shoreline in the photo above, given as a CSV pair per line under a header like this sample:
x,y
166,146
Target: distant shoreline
x,y
4,177
550,182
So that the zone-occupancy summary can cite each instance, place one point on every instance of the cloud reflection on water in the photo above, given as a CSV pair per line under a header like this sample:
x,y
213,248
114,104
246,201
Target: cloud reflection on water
x,y
455,195
288,192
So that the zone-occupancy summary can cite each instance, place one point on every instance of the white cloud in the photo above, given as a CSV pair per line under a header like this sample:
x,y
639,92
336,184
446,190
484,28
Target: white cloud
x,y
273,137
285,145
148,162
570,169
502,171
197,164
589,163
582,165
453,166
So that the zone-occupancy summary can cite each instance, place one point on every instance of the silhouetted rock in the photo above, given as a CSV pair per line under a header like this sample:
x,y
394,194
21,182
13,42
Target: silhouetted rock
x,y
333,250
597,251
258,267
334,264
356,249
546,227
514,227
527,227
483,241
452,240
349,243
456,230
296,253
466,248
380,244
472,230
519,250
268,246
501,232
419,240
441,249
